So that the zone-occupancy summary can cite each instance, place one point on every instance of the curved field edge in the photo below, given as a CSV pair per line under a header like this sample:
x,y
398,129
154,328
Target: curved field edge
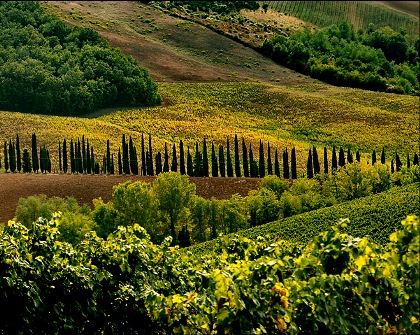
x,y
374,217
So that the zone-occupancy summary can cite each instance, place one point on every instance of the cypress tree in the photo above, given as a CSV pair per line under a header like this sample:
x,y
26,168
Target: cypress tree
x,y
190,169
341,157
165,159
97,168
245,158
125,158
12,156
293,164
358,155
349,156
276,164
120,170
315,159
6,157
79,156
92,161
261,162
104,164
309,166
131,158
18,157
42,163
181,158
143,157
237,164
373,157
48,161
72,163
254,172
286,172
334,165
108,158
325,160
84,157
198,164
392,166
222,167
76,158
398,163
174,165
383,156
269,163
158,159
26,161
205,170
136,162
35,161
229,167
214,166
416,159
65,162
408,161
151,172
112,165
60,167
88,160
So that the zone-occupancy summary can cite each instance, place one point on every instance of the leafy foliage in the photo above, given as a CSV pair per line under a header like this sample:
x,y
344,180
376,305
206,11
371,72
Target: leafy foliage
x,y
47,67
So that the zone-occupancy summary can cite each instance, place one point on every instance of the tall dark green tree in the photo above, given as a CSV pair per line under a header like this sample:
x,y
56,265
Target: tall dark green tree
x,y
214,166
84,157
88,160
120,169
325,160
174,164
143,157
107,168
132,156
6,156
245,158
18,156
334,164
95,169
181,158
315,160
65,158
261,162
198,162
229,167
150,171
26,161
416,159
293,164
205,172
269,162
286,172
252,164
43,159
237,160
408,161
72,162
12,156
383,156
158,165
60,166
341,157
125,158
112,165
392,166
349,156
373,157
276,164
358,155
190,168
398,163
165,159
222,167
48,161
309,166
79,157
35,161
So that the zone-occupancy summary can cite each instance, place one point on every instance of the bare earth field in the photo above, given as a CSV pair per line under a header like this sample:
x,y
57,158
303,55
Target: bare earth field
x,y
85,188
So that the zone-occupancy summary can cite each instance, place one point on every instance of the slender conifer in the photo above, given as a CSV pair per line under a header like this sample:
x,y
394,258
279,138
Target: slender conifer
x,y
245,158
293,164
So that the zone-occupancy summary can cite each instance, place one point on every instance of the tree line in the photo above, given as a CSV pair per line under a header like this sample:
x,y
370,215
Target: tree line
x,y
218,161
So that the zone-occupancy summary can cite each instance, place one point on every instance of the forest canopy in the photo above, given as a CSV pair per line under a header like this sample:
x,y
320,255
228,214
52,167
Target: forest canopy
x,y
48,67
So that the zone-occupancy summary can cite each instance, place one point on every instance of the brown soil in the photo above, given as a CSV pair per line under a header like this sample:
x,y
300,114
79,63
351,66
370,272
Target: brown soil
x,y
85,188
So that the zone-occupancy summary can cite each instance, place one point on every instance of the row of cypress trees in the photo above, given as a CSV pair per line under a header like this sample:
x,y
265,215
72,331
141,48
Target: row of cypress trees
x,y
80,158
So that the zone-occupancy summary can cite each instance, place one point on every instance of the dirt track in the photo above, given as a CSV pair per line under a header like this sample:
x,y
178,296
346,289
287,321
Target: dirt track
x,y
85,188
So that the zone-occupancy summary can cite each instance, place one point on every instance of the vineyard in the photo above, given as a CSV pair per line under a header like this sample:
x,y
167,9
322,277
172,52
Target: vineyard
x,y
358,13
